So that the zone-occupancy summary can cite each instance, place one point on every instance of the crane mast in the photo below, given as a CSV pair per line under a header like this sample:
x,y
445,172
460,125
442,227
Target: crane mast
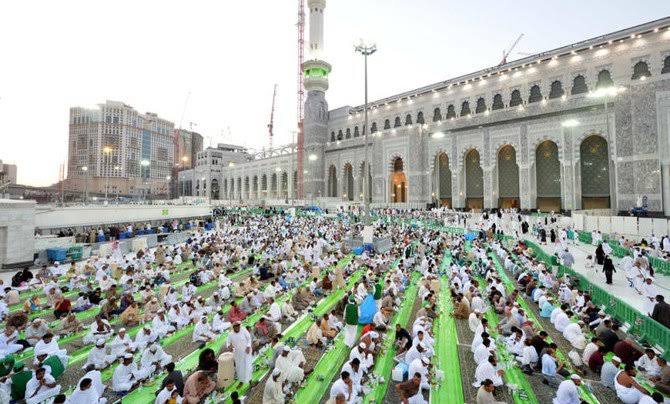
x,y
301,96
272,115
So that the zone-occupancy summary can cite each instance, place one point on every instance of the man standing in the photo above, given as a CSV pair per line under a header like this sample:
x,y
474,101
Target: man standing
x,y
608,269
661,311
240,342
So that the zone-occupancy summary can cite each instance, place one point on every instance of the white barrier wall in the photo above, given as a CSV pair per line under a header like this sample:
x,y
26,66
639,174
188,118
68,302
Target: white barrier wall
x,y
42,243
626,225
48,218
16,231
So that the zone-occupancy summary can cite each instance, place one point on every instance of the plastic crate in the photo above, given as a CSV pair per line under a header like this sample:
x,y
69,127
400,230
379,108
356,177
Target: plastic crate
x,y
56,254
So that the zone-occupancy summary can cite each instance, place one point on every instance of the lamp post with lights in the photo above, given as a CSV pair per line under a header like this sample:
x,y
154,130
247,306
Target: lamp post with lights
x,y
85,170
107,151
569,124
366,50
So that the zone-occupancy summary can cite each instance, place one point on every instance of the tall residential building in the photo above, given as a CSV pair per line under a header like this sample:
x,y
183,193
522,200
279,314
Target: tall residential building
x,y
7,174
187,146
115,148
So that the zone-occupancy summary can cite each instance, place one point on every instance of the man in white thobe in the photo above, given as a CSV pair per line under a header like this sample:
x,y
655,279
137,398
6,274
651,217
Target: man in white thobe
x,y
98,356
649,292
160,325
239,340
41,387
273,392
167,393
421,366
488,370
353,368
49,345
96,379
121,344
567,392
202,332
144,338
126,375
154,359
289,366
573,333
86,393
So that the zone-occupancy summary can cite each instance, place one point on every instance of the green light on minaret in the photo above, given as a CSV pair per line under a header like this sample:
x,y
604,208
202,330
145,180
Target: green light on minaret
x,y
316,72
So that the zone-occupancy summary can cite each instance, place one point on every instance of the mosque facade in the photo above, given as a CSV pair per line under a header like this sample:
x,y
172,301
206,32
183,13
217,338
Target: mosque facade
x,y
584,126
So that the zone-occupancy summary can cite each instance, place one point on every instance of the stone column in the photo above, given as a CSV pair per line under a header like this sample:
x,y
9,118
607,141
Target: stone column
x,y
567,186
524,187
665,173
488,187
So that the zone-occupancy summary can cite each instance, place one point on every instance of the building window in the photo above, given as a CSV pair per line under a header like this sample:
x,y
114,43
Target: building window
x,y
465,108
497,102
604,79
535,94
437,114
419,118
579,85
339,134
666,65
373,128
348,134
332,136
515,99
556,90
397,123
451,112
481,105
408,119
387,124
356,133
641,69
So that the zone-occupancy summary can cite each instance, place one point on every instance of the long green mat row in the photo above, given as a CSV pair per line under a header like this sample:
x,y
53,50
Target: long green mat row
x,y
523,393
326,369
384,363
145,394
585,394
449,389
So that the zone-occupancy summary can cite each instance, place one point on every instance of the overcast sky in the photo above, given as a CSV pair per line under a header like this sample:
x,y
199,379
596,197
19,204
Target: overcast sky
x,y
228,55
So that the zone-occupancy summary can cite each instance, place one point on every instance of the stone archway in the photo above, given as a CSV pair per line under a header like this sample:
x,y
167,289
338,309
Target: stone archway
x,y
548,177
332,181
595,175
348,183
474,180
442,180
398,191
508,178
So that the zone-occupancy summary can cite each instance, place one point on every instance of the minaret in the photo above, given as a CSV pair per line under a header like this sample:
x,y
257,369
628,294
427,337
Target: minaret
x,y
316,108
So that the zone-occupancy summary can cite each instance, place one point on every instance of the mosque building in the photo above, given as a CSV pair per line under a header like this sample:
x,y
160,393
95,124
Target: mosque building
x,y
584,126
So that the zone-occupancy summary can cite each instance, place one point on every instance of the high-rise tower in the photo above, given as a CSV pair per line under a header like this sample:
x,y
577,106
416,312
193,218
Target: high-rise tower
x,y
316,108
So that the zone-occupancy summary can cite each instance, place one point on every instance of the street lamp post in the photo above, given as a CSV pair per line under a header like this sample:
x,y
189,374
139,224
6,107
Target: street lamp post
x,y
106,153
85,170
366,50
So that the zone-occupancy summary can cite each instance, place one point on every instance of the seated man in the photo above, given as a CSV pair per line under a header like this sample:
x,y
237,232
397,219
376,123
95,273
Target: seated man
x,y
41,387
98,356
127,376
326,330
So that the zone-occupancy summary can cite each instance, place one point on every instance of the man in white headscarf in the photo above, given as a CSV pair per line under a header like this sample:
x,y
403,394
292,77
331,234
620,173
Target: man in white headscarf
x,y
160,325
98,356
122,344
144,338
154,359
290,363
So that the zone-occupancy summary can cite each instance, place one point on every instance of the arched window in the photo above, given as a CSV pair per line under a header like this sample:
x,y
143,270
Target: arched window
x,y
451,112
556,90
397,123
666,65
332,136
419,118
515,99
387,124
604,79
481,105
535,94
373,128
357,134
408,119
339,135
579,85
437,114
348,134
641,69
465,108
497,102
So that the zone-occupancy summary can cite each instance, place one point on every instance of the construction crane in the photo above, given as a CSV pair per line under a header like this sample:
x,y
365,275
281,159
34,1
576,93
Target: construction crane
x,y
301,95
272,115
507,52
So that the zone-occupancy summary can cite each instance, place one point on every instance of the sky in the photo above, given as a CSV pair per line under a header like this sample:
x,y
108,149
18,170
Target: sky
x,y
225,56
